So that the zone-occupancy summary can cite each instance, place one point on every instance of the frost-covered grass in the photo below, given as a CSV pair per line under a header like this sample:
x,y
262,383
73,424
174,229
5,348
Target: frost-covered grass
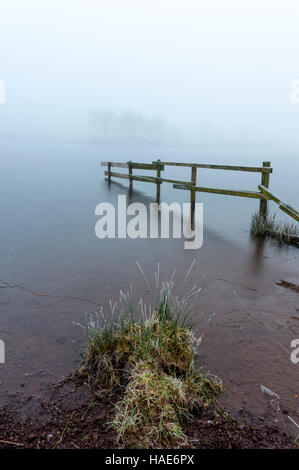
x,y
150,359
283,232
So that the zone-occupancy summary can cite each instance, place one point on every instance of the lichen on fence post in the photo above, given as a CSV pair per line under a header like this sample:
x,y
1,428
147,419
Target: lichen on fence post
x,y
264,182
158,182
193,194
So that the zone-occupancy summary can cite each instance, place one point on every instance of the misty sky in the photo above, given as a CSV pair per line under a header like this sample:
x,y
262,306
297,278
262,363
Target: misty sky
x,y
228,62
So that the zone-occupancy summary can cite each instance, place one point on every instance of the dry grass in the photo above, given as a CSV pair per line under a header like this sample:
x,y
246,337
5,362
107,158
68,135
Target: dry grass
x,y
151,360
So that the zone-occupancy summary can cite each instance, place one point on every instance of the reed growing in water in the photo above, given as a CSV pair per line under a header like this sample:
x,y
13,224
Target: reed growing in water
x,y
283,232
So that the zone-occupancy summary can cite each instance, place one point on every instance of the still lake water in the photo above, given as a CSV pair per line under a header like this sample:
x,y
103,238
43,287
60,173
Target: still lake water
x,y
48,195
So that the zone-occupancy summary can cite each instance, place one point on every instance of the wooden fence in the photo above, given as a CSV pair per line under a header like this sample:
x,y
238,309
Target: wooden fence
x,y
263,193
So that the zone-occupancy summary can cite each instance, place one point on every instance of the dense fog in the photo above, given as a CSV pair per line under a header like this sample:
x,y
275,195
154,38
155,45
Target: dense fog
x,y
150,72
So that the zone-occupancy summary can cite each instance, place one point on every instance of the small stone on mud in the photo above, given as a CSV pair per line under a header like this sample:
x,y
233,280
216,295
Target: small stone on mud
x,y
102,414
207,423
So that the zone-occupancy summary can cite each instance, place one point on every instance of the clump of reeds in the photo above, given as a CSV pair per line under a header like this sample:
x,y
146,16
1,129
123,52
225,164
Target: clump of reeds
x,y
150,359
268,226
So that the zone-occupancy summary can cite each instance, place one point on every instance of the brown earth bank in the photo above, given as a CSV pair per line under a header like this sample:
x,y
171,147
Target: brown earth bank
x,y
68,415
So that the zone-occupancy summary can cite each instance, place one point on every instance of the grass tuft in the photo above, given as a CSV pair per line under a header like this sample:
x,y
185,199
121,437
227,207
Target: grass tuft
x,y
150,361
283,232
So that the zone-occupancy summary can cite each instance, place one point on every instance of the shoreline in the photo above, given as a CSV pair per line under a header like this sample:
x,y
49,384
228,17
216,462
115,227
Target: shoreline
x,y
67,415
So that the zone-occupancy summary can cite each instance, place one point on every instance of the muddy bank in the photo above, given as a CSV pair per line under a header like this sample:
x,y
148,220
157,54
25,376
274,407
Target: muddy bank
x,y
69,416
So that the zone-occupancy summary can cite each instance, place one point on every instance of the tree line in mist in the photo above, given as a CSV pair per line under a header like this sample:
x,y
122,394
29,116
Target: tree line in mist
x,y
132,127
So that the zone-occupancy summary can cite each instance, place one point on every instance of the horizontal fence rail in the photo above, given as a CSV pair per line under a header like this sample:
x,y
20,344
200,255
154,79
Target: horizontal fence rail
x,y
228,192
137,166
149,179
254,169
264,194
146,179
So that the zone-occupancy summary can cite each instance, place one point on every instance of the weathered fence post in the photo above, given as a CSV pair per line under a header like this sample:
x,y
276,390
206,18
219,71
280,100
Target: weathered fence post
x,y
130,173
158,182
109,172
193,194
265,182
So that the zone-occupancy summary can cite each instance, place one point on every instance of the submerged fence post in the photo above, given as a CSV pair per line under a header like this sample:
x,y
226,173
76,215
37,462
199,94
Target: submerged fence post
x,y
158,183
193,194
265,182
109,172
130,173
